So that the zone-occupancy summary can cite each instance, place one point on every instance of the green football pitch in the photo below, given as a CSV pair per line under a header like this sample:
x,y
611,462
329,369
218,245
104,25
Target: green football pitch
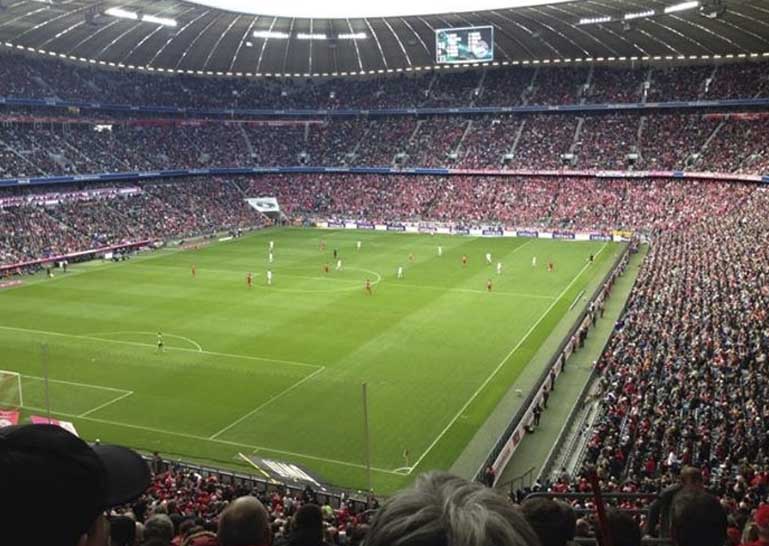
x,y
278,370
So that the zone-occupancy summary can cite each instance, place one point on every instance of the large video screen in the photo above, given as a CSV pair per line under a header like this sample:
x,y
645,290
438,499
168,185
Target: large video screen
x,y
464,45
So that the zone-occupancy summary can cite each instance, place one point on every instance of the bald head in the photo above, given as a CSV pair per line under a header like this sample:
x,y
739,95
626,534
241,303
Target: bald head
x,y
245,523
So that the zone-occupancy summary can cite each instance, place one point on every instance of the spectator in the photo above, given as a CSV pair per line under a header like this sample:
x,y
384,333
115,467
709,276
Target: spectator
x,y
697,519
245,523
307,527
443,509
47,472
554,522
158,531
658,523
761,520
623,529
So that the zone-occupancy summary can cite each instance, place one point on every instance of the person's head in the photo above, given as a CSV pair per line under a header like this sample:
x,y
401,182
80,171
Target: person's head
x,y
697,519
440,508
554,522
691,478
122,531
245,523
46,470
761,519
159,528
623,528
307,528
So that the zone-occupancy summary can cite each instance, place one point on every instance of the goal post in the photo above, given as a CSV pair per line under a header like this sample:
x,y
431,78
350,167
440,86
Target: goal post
x,y
11,395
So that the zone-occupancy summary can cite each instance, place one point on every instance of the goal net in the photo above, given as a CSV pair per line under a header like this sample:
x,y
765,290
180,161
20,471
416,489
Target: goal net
x,y
10,390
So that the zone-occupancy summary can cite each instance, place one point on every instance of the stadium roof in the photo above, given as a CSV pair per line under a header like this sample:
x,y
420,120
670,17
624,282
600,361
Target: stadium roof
x,y
179,36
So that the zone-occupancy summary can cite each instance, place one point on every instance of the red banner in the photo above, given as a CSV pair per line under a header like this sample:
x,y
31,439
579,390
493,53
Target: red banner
x,y
9,417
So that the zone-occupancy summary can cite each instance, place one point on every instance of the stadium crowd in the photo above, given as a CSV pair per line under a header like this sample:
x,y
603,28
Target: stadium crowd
x,y
31,77
79,219
105,495
677,141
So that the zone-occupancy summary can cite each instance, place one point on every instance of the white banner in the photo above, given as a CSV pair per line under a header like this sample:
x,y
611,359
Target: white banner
x,y
264,204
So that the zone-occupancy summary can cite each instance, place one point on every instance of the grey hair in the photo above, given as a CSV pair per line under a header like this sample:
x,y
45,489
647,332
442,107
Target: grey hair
x,y
159,526
441,509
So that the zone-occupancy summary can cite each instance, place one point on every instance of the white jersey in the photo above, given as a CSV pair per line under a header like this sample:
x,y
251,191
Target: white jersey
x,y
499,268
358,244
534,261
269,277
440,251
400,272
339,265
488,257
270,257
272,245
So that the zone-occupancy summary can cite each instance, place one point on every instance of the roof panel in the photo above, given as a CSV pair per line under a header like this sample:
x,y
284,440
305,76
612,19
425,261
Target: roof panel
x,y
210,39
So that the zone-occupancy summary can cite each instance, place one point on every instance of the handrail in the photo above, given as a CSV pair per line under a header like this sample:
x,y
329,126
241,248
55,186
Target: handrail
x,y
378,170
526,476
371,112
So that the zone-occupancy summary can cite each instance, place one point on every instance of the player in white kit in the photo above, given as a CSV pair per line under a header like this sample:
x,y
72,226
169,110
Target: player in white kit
x,y
400,272
270,257
488,257
533,261
440,251
499,268
358,245
339,265
272,245
269,278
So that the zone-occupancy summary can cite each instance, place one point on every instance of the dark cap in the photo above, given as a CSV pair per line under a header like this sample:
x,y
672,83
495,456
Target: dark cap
x,y
55,485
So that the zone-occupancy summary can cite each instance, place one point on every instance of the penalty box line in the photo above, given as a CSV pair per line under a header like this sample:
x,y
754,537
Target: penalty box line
x,y
501,364
216,440
139,344
124,393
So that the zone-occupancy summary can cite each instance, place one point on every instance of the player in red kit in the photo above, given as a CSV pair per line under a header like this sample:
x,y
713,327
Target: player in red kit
x,y
488,285
464,261
368,287
194,271
250,280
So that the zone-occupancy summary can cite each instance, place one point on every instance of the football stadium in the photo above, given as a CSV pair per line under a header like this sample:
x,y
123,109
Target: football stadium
x,y
335,273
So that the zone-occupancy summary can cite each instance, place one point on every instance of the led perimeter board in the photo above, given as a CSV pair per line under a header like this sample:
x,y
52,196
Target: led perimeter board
x,y
464,45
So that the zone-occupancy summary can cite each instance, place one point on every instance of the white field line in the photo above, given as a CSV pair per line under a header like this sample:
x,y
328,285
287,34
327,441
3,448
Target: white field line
x,y
219,441
138,344
267,403
102,406
121,332
74,383
500,365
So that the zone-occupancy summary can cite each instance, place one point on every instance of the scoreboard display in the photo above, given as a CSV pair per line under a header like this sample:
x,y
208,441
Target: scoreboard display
x,y
464,45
